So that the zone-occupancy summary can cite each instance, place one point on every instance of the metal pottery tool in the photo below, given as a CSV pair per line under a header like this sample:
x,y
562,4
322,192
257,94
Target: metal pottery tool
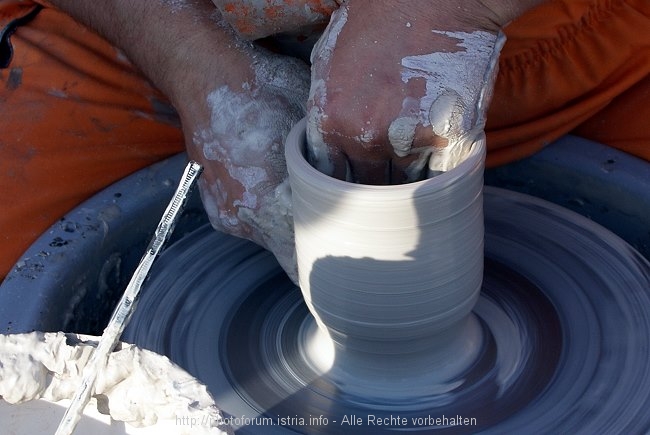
x,y
126,306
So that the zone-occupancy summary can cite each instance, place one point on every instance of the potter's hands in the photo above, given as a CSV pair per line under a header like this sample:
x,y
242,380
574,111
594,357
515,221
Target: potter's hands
x,y
239,138
399,88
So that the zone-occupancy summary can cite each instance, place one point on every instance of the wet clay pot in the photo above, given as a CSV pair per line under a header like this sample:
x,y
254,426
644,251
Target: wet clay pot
x,y
391,273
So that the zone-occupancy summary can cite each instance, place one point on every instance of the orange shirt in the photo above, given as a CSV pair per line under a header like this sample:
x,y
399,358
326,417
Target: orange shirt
x,y
76,117
578,66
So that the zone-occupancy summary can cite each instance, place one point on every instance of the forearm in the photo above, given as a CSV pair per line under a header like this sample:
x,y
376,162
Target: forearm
x,y
462,15
162,39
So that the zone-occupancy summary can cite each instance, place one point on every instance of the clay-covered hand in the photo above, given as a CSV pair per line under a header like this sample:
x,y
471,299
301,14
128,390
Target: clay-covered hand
x,y
400,89
239,138
236,102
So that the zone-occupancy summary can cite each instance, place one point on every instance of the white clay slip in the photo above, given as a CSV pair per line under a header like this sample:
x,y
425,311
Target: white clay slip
x,y
458,91
246,136
139,392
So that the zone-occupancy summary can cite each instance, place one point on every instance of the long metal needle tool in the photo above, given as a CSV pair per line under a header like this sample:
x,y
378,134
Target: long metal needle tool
x,y
126,306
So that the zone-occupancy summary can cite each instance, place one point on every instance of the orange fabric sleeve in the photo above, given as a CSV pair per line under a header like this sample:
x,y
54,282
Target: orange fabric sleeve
x,y
573,66
75,118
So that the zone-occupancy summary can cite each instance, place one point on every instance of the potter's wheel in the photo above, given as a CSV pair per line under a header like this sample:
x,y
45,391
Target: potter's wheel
x,y
563,313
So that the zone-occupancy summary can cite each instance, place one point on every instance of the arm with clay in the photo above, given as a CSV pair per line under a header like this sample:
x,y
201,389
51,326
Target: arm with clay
x,y
400,89
236,102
